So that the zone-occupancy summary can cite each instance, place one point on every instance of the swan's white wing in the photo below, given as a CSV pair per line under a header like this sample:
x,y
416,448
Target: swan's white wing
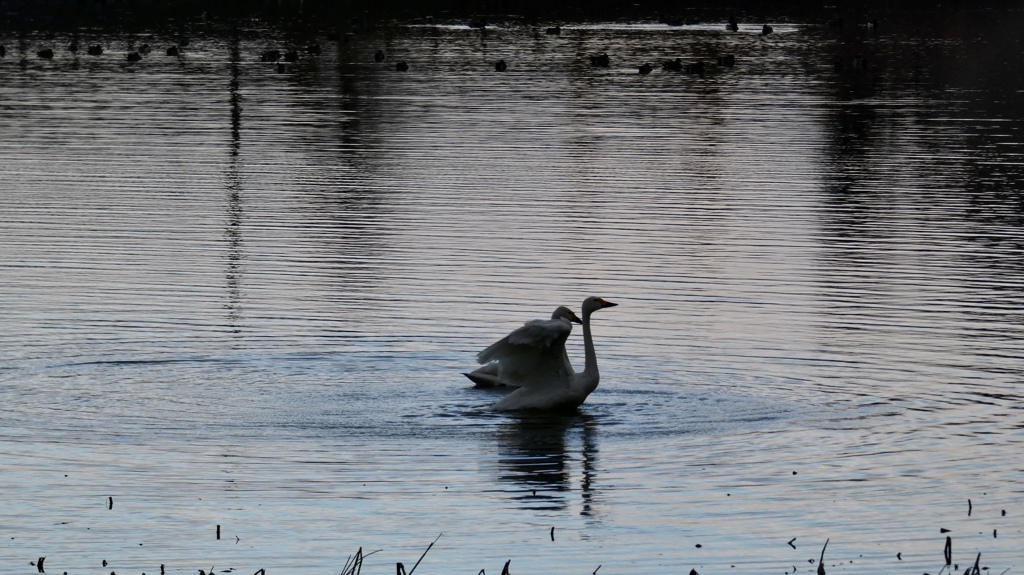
x,y
566,365
532,355
542,335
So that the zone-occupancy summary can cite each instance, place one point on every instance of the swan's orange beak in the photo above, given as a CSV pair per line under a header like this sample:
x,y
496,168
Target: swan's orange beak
x,y
606,303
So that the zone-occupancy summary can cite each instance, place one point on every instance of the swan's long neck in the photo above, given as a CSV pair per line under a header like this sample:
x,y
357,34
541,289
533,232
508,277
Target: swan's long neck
x,y
590,374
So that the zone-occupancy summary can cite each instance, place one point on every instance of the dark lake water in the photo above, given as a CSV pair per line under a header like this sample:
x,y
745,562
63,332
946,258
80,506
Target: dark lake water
x,y
238,296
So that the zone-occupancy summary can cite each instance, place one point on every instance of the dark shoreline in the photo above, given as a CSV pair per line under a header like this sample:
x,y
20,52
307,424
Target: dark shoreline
x,y
340,17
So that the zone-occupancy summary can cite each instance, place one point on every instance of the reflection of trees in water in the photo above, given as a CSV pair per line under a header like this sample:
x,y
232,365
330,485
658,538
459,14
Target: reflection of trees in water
x,y
922,179
233,186
549,457
990,68
931,124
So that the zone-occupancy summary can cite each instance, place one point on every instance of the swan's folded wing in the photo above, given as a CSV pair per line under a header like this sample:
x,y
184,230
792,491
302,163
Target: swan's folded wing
x,y
531,355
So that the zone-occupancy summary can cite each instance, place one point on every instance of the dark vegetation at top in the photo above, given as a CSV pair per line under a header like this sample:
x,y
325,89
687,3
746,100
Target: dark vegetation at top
x,y
343,15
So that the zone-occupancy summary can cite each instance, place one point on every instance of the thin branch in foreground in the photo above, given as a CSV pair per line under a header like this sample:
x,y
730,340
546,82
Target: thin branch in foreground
x,y
413,570
821,561
975,570
353,564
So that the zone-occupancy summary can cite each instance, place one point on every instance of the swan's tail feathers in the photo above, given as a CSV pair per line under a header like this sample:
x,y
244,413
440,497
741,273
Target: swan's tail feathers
x,y
483,379
488,376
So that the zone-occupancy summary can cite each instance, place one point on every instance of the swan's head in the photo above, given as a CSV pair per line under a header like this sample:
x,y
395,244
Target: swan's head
x,y
565,313
594,303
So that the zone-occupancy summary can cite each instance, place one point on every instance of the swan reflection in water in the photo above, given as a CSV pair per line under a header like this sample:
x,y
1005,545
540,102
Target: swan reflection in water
x,y
546,457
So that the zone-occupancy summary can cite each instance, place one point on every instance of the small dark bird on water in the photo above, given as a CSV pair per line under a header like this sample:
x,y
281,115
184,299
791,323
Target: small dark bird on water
x,y
144,49
46,53
646,68
673,65
402,67
766,30
73,47
379,56
172,51
313,49
554,30
600,61
728,61
95,50
270,56
292,56
500,66
134,56
3,51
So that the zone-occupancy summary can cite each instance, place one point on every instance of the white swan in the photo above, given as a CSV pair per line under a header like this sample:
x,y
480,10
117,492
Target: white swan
x,y
548,387
535,346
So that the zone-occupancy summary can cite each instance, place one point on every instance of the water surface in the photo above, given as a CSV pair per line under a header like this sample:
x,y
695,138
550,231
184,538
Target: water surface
x,y
243,297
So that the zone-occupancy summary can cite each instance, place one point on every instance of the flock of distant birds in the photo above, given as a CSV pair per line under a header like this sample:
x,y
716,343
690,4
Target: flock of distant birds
x,y
598,61
97,50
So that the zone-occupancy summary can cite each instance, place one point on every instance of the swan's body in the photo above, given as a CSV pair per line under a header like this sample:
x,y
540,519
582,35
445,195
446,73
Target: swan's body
x,y
537,346
551,384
